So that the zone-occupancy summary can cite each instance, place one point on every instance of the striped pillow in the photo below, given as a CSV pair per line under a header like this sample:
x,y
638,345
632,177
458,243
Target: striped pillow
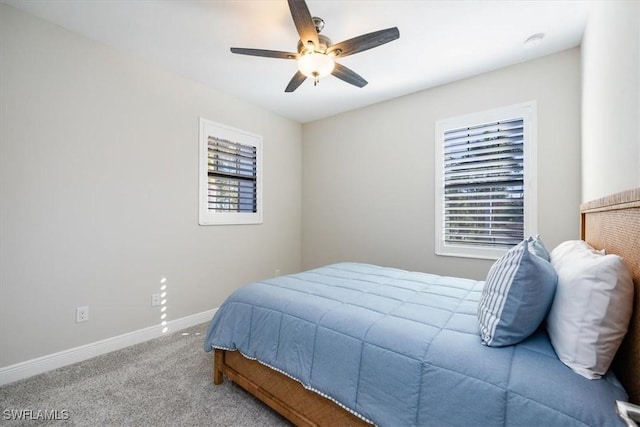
x,y
516,297
537,247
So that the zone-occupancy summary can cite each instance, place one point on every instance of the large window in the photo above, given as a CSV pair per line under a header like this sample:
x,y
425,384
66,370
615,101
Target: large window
x,y
485,181
230,175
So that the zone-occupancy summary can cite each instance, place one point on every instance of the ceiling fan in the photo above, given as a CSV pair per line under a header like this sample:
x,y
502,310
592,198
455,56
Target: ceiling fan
x,y
316,54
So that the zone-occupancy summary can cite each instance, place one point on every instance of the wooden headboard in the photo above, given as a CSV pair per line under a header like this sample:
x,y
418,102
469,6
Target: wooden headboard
x,y
613,223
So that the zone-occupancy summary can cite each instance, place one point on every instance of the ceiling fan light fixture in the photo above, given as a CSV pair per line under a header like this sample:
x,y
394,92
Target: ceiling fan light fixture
x,y
315,65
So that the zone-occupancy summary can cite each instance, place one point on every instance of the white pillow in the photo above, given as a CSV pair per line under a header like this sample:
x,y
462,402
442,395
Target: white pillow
x,y
573,248
591,309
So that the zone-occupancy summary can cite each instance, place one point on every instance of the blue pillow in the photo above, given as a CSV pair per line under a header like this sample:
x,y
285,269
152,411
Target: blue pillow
x,y
516,297
537,247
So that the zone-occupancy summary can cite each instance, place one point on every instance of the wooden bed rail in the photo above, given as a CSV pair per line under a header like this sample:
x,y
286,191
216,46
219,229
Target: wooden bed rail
x,y
284,395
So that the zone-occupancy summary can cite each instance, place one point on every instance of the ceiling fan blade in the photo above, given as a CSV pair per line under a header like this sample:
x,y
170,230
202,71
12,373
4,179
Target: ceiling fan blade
x,y
304,22
265,53
364,42
295,81
349,76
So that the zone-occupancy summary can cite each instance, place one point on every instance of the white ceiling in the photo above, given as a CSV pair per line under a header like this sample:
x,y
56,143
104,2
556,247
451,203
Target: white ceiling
x,y
440,41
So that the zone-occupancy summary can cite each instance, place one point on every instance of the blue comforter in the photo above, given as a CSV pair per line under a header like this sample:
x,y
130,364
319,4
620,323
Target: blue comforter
x,y
401,348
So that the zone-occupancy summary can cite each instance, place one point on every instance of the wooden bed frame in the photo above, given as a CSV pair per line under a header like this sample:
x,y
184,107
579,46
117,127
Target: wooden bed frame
x,y
611,223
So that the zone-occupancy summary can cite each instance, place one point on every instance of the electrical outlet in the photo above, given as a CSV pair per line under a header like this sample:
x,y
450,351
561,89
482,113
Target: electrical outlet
x,y
82,314
277,272
155,300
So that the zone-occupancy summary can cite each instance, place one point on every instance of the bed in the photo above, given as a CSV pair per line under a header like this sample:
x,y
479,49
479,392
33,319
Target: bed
x,y
377,368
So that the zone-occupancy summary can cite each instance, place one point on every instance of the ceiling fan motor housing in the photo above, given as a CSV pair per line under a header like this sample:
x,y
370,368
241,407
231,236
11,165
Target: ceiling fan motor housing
x,y
324,41
318,23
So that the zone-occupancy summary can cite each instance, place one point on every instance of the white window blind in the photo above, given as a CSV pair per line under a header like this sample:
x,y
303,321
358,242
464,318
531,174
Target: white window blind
x,y
230,175
485,181
484,184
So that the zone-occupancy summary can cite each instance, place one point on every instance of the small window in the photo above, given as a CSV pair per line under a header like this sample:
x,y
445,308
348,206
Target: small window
x,y
230,175
485,181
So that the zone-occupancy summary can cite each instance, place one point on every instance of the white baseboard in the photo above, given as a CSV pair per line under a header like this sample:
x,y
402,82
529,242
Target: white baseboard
x,y
49,362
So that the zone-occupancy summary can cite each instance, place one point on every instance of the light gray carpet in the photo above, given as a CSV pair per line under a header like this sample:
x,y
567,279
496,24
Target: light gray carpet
x,y
162,382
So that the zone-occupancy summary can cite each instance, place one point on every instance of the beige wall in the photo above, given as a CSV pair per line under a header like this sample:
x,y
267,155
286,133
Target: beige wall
x,y
99,181
611,99
368,175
